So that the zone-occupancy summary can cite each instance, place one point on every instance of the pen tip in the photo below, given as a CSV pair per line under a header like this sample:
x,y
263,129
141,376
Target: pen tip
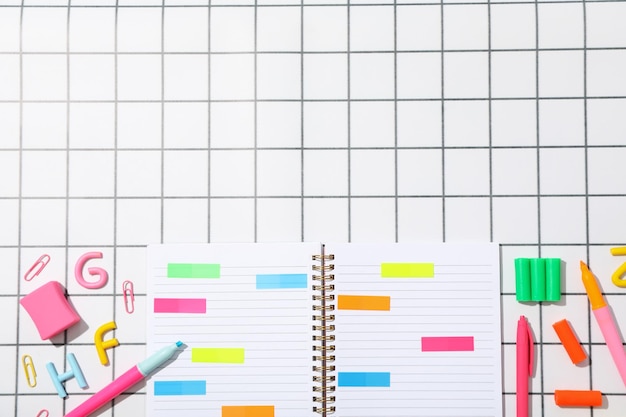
x,y
583,266
179,343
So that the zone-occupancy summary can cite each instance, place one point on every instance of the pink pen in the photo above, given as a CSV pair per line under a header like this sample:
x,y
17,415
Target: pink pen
x,y
125,381
525,350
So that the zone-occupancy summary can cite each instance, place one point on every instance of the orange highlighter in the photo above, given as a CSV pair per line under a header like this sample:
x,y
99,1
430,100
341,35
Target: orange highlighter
x,y
605,320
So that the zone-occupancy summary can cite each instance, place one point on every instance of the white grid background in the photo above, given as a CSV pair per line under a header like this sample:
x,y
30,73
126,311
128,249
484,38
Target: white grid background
x,y
130,122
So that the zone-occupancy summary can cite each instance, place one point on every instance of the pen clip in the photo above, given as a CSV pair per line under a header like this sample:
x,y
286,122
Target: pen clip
x,y
531,350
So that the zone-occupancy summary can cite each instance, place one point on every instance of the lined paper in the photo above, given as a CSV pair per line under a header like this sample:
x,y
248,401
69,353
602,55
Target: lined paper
x,y
252,346
383,367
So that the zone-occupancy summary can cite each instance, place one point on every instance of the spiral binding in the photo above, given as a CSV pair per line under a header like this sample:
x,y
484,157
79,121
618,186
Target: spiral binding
x,y
323,304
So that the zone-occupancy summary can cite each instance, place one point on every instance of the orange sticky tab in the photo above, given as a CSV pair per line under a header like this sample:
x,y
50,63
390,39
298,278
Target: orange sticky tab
x,y
569,340
247,411
572,398
363,302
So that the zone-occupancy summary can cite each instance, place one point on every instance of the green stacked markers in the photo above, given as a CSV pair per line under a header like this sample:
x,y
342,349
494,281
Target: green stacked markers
x,y
538,279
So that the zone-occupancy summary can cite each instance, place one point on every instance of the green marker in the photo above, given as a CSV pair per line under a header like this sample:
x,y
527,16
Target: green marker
x,y
538,279
522,279
553,279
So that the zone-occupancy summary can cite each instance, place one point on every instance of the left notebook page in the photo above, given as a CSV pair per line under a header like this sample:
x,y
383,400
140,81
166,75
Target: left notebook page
x,y
244,313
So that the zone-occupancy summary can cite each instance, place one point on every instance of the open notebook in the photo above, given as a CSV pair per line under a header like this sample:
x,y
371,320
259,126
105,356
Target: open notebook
x,y
306,329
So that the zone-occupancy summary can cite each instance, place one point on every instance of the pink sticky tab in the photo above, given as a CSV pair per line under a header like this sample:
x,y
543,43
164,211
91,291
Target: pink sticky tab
x,y
50,310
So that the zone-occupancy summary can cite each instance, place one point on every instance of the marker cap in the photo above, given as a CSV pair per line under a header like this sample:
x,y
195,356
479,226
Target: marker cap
x,y
574,398
522,279
569,340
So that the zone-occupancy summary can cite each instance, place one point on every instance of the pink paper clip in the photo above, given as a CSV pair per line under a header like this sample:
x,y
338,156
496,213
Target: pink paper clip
x,y
43,413
129,296
37,267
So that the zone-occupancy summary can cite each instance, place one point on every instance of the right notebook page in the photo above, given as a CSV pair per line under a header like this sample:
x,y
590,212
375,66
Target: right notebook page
x,y
417,330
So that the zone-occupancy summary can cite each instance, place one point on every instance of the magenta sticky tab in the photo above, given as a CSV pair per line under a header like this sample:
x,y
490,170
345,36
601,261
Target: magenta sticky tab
x,y
50,310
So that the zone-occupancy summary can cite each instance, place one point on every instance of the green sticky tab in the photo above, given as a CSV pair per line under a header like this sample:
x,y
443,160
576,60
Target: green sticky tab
x,y
217,355
407,270
538,279
553,279
193,270
522,279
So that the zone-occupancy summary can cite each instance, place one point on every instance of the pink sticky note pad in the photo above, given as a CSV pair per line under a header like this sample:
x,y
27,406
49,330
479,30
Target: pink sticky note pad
x,y
50,310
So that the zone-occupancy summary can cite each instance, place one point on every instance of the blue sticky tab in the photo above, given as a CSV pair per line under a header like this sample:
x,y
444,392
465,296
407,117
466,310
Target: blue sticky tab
x,y
364,379
180,387
280,281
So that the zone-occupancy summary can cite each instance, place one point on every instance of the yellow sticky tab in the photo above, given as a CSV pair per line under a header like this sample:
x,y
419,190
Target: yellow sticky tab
x,y
407,270
217,355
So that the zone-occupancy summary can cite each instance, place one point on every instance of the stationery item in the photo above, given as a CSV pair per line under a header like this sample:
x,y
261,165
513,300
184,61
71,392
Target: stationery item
x,y
605,320
538,279
126,380
37,267
103,345
43,413
102,274
73,372
368,328
525,352
621,270
569,340
129,296
522,279
29,370
49,310
577,398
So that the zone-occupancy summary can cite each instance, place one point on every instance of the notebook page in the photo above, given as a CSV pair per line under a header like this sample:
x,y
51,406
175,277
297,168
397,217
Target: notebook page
x,y
244,314
418,330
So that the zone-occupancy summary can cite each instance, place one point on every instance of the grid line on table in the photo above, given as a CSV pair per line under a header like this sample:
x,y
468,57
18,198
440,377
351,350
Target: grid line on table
x,y
301,120
443,125
67,172
286,148
490,120
353,100
349,119
256,121
538,184
162,121
283,5
19,214
586,170
209,124
395,120
115,185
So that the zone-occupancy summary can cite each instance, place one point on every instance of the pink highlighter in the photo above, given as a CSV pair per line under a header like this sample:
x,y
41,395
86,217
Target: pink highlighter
x,y
125,381
525,350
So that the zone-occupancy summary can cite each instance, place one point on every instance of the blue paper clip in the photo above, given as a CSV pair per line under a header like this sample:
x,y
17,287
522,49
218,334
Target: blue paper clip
x,y
129,296
37,267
